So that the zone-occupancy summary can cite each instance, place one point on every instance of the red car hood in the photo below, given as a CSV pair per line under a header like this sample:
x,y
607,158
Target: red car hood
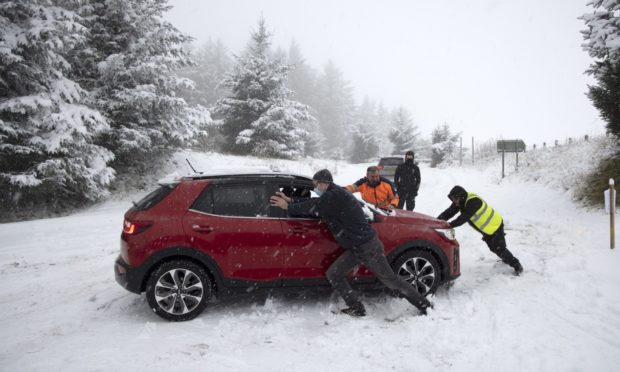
x,y
409,217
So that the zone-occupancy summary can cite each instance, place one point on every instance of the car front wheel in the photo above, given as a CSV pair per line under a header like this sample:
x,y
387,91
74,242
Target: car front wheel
x,y
420,269
178,290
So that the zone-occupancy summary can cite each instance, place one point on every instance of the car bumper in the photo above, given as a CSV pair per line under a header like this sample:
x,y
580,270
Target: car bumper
x,y
128,277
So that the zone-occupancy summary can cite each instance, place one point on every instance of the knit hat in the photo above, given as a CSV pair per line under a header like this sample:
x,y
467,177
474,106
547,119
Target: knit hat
x,y
323,176
409,153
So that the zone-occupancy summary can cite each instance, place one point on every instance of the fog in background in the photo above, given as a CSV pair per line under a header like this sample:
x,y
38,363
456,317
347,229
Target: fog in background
x,y
490,69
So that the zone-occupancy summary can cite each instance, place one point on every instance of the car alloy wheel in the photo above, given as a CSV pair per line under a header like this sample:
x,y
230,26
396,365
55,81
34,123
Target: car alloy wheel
x,y
420,269
178,290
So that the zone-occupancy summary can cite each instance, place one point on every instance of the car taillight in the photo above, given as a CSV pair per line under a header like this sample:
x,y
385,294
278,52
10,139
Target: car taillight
x,y
135,227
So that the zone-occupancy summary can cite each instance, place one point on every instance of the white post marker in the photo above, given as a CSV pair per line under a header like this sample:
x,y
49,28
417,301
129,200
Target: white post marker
x,y
612,213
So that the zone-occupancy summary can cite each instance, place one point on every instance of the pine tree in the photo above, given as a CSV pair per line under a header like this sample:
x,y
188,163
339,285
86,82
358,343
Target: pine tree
x,y
301,81
365,143
301,78
383,128
47,129
606,97
335,108
137,54
259,118
403,133
443,145
365,140
602,42
212,64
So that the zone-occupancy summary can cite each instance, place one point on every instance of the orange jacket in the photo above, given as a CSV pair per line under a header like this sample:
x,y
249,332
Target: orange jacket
x,y
381,195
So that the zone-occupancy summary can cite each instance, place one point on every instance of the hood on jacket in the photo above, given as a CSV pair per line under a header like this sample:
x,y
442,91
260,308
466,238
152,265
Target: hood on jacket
x,y
409,161
458,193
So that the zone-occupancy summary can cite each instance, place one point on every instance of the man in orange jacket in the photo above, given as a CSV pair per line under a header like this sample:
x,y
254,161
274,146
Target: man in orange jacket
x,y
375,189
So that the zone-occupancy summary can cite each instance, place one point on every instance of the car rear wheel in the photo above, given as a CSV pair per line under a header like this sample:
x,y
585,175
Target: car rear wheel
x,y
420,269
178,290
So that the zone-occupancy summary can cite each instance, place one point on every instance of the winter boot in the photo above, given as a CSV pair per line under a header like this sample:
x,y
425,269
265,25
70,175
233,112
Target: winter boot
x,y
425,305
421,304
518,268
356,310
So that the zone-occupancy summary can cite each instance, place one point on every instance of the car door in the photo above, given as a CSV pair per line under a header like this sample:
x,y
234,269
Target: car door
x,y
309,246
234,224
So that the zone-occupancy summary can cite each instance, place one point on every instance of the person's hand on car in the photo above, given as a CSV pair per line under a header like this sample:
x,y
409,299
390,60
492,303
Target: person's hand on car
x,y
279,201
283,196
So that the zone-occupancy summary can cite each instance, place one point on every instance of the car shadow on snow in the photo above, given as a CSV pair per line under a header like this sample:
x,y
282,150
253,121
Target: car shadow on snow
x,y
264,302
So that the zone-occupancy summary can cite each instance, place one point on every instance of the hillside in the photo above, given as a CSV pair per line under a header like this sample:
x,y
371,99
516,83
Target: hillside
x,y
62,310
564,168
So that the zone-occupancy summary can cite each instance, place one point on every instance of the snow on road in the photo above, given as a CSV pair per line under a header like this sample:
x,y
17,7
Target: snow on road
x,y
60,308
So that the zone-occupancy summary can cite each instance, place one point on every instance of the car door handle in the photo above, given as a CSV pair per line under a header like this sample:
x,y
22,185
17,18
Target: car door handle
x,y
297,230
202,228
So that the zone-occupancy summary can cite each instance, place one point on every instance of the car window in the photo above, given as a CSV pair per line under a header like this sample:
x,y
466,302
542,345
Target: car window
x,y
243,200
296,191
299,193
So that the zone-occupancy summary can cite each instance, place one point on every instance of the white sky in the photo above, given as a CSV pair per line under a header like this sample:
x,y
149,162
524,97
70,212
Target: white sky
x,y
491,69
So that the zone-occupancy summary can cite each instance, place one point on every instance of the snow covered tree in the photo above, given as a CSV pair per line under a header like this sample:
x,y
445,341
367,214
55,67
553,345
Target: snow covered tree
x,y
137,54
212,64
301,78
606,97
403,133
364,133
365,143
301,81
48,158
259,118
314,140
602,42
602,38
335,107
444,146
423,149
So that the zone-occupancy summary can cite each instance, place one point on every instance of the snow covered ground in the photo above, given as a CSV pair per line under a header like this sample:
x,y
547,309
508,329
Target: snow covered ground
x,y
60,308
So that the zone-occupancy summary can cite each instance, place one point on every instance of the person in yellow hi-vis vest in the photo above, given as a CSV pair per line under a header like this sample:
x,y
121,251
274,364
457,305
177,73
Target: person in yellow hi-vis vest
x,y
483,218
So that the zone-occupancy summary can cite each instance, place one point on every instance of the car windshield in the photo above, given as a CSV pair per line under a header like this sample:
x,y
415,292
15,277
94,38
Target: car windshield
x,y
370,210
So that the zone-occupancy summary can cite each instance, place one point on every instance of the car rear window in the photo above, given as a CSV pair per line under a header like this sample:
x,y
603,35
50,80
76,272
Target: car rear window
x,y
154,197
390,161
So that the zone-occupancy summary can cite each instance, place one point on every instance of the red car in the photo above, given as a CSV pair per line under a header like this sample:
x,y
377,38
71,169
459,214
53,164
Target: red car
x,y
207,236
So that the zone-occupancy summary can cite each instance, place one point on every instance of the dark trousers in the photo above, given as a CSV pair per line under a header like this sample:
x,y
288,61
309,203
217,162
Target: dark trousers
x,y
497,245
409,198
371,255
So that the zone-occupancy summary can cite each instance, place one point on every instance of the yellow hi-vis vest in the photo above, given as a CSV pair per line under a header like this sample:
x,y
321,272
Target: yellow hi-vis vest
x,y
486,219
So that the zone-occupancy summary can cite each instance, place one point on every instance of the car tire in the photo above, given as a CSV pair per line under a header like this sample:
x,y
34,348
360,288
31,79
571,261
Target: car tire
x,y
420,269
178,290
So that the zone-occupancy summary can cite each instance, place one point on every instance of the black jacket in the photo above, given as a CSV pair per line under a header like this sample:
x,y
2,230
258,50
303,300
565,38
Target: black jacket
x,y
466,212
407,178
342,213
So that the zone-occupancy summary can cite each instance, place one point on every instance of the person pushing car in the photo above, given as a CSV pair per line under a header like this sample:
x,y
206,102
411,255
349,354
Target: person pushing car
x,y
346,220
482,218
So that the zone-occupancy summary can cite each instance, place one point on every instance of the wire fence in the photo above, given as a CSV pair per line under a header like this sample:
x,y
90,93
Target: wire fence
x,y
487,149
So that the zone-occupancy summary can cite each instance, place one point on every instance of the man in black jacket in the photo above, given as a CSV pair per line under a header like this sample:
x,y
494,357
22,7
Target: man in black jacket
x,y
407,179
482,218
345,218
